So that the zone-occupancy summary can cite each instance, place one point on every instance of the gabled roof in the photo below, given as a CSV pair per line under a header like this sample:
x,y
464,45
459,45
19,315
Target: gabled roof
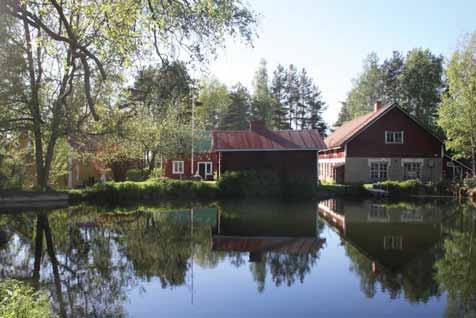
x,y
266,140
352,128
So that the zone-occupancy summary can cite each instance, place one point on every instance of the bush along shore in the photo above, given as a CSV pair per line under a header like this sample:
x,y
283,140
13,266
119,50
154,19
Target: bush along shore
x,y
416,188
231,185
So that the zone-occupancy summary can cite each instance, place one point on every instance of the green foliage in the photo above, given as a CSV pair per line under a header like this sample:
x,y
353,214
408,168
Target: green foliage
x,y
457,111
413,187
156,173
415,82
470,182
13,171
455,270
135,175
63,64
236,116
18,300
215,100
261,103
153,189
297,100
366,90
245,184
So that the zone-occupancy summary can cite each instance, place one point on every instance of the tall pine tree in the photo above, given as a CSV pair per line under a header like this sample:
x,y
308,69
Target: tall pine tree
x,y
236,116
278,94
262,103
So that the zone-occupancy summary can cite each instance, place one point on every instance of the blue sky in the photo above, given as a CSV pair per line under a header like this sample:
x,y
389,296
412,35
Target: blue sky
x,y
331,38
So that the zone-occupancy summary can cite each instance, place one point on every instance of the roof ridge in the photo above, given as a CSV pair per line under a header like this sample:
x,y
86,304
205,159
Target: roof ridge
x,y
360,122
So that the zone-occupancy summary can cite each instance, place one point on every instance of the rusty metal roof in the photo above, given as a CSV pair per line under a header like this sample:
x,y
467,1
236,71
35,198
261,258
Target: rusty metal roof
x,y
266,140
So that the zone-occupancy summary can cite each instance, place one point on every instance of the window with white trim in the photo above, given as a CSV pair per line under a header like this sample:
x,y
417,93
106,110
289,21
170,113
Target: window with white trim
x,y
411,170
378,213
392,242
177,167
394,137
378,171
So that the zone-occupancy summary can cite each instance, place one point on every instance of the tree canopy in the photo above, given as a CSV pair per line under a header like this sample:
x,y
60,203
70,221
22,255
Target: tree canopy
x,y
414,81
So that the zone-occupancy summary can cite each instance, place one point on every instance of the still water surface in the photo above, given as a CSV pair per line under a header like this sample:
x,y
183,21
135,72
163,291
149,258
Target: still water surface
x,y
334,258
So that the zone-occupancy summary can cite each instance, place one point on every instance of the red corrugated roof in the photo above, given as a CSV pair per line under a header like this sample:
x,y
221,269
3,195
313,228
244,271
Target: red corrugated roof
x,y
350,128
263,139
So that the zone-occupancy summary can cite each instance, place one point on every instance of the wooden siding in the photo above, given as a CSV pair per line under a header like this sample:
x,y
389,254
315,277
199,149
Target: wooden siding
x,y
332,153
284,163
417,143
198,157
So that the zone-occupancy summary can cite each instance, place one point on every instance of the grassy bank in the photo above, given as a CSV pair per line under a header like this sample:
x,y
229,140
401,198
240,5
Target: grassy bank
x,y
416,188
234,185
150,190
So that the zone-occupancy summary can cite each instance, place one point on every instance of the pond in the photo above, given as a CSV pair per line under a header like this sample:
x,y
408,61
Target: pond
x,y
334,258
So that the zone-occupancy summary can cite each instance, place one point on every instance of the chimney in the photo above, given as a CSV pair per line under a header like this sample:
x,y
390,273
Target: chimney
x,y
257,125
377,105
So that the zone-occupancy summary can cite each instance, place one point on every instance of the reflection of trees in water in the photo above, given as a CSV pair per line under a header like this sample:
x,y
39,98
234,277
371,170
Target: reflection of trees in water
x,y
456,270
283,268
159,246
88,261
414,281
289,268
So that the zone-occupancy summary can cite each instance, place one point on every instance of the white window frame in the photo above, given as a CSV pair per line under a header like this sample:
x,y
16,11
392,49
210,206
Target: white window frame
x,y
393,134
174,167
393,242
413,162
379,169
207,164
378,213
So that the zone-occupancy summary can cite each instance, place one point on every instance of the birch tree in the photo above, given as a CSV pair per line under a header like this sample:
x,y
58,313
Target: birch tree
x,y
457,111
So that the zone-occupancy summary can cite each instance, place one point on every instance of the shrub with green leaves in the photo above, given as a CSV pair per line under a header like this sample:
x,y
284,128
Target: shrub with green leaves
x,y
413,187
156,173
470,182
152,189
19,300
135,175
240,184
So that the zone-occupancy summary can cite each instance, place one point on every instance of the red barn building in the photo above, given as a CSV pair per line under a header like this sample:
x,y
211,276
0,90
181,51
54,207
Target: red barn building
x,y
387,143
290,153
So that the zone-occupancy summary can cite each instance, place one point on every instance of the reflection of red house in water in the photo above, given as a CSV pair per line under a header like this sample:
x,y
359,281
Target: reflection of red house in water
x,y
291,234
258,246
389,236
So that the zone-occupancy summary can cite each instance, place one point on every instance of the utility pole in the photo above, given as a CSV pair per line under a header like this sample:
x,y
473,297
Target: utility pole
x,y
193,130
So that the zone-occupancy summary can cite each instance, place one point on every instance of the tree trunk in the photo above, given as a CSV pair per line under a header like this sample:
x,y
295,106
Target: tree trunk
x,y
152,161
34,106
38,249
54,264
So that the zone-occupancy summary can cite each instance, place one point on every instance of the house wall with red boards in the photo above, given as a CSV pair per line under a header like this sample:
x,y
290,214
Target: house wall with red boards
x,y
204,164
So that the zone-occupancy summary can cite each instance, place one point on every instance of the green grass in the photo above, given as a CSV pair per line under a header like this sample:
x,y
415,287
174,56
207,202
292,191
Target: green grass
x,y
414,187
152,189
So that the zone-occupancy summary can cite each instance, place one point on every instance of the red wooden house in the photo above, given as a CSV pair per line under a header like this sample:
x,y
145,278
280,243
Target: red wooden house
x,y
203,162
387,143
287,153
